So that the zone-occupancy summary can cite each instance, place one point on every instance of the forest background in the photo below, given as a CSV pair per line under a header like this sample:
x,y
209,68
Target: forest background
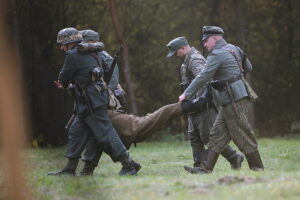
x,y
147,26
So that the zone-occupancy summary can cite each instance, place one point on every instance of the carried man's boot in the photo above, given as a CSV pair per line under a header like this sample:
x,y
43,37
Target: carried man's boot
x,y
234,158
189,106
254,161
88,168
206,166
129,167
69,169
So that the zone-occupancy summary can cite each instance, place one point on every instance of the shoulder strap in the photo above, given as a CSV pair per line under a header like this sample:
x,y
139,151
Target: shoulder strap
x,y
94,55
239,64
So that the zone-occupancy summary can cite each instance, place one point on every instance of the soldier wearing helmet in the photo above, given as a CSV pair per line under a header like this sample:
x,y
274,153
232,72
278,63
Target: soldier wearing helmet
x,y
91,101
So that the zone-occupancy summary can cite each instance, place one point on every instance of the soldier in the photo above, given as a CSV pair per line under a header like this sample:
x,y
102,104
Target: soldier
x,y
200,123
90,43
91,101
230,96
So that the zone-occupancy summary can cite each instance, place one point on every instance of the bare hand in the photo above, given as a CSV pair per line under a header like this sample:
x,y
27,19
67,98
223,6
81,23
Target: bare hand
x,y
58,84
182,97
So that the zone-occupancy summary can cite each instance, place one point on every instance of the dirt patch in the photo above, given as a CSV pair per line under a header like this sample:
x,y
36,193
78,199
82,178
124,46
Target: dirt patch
x,y
229,180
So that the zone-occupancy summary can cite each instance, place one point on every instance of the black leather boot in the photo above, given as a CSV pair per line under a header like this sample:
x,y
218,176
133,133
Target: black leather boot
x,y
69,169
88,168
234,158
254,161
194,106
198,155
206,166
129,167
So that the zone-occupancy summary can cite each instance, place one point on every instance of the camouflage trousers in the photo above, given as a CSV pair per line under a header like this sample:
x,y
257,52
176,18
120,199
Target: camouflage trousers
x,y
132,128
230,125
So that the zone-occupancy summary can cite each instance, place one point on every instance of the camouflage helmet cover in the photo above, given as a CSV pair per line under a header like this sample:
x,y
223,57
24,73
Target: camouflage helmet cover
x,y
68,35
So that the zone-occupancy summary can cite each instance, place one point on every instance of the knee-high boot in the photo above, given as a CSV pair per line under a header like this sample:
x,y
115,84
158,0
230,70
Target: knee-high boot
x,y
207,165
68,169
254,161
234,158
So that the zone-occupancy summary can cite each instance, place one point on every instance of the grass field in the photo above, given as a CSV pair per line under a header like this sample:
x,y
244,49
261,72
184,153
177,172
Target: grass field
x,y
163,177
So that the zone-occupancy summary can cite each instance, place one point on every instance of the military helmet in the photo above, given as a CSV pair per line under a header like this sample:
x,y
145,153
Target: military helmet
x,y
88,35
68,35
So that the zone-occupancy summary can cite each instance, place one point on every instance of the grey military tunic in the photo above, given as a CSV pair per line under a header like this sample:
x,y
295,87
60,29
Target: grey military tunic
x,y
78,67
199,123
222,65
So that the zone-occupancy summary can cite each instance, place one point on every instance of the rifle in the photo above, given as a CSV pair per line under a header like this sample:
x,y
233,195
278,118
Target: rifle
x,y
245,49
108,75
70,122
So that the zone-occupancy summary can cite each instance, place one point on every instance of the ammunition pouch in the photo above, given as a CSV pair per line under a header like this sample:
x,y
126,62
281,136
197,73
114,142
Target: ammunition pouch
x,y
96,74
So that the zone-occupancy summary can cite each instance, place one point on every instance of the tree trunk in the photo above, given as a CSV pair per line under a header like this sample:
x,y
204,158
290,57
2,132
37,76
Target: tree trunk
x,y
242,41
12,118
125,56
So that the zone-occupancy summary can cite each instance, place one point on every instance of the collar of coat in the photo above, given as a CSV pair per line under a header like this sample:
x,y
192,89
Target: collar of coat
x,y
192,50
220,43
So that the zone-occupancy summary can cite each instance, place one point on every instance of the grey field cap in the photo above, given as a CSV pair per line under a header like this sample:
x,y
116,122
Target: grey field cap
x,y
208,31
88,35
175,44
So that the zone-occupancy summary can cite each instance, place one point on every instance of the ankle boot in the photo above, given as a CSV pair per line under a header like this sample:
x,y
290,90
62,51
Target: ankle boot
x,y
207,165
189,106
254,161
88,168
69,169
129,167
234,158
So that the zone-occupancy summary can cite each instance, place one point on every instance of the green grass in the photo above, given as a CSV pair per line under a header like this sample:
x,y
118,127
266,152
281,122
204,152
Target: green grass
x,y
163,177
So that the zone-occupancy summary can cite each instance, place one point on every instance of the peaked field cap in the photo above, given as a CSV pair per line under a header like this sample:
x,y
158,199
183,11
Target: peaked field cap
x,y
88,35
208,31
175,44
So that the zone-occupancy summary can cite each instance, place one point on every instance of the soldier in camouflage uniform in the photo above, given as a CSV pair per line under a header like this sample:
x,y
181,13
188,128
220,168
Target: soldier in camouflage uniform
x,y
91,101
230,96
200,123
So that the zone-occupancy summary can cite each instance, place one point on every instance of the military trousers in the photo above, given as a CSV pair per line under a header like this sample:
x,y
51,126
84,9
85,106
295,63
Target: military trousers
x,y
200,125
100,127
132,128
231,125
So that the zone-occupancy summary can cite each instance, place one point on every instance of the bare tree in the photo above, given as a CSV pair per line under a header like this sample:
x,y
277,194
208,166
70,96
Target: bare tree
x,y
125,55
242,38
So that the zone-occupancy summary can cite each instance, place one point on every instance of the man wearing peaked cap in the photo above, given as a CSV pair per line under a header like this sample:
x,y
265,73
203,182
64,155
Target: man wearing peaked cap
x,y
231,95
211,31
176,44
199,122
